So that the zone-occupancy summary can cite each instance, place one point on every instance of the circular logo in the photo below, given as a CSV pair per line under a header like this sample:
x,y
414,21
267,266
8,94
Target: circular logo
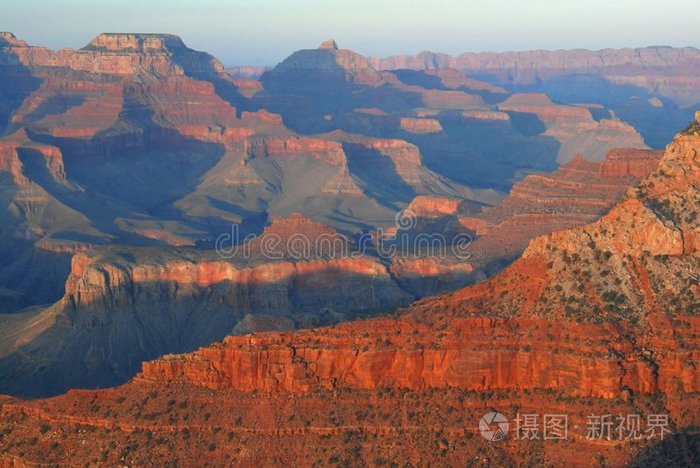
x,y
405,220
493,426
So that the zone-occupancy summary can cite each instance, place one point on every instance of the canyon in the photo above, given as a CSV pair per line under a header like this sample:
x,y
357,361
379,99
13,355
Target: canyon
x,y
634,83
140,183
597,319
157,300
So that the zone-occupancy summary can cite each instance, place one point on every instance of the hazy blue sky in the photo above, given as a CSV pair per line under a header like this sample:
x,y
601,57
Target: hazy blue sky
x,y
266,31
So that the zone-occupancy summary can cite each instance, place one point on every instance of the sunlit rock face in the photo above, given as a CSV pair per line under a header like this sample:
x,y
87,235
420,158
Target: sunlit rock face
x,y
123,164
599,319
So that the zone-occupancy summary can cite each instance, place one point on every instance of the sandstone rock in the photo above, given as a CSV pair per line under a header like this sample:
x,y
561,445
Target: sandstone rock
x,y
247,72
328,44
575,194
321,67
637,67
574,127
597,318
427,206
420,125
460,353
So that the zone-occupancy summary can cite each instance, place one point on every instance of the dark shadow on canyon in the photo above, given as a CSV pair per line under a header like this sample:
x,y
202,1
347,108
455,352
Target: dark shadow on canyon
x,y
681,449
16,84
657,124
102,342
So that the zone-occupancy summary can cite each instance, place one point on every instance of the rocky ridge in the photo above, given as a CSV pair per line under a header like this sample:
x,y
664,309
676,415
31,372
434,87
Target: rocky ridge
x,y
602,317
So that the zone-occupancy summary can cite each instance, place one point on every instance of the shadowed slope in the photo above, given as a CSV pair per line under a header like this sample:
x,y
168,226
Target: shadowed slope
x,y
601,319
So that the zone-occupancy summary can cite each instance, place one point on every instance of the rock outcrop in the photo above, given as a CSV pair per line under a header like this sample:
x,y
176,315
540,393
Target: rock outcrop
x,y
634,83
661,208
671,71
573,126
135,155
420,125
427,206
329,44
575,194
324,66
600,319
118,54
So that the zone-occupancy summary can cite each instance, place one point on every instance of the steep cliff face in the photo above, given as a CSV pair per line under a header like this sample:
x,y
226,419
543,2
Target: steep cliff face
x,y
396,166
151,106
96,284
87,91
457,122
421,125
297,284
573,126
647,246
427,206
600,319
654,89
154,301
666,68
631,276
119,54
321,67
34,267
575,194
122,94
136,153
338,178
473,354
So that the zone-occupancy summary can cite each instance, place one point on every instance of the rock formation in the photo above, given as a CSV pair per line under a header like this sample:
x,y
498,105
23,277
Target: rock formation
x,y
575,194
573,126
135,155
323,66
635,83
599,319
671,70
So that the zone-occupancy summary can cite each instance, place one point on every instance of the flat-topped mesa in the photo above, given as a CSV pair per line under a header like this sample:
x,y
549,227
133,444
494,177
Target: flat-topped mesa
x,y
119,54
135,42
157,53
297,223
545,109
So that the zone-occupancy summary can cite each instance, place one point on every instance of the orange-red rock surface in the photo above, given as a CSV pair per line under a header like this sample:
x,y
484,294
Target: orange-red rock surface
x,y
137,154
575,194
600,319
427,206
